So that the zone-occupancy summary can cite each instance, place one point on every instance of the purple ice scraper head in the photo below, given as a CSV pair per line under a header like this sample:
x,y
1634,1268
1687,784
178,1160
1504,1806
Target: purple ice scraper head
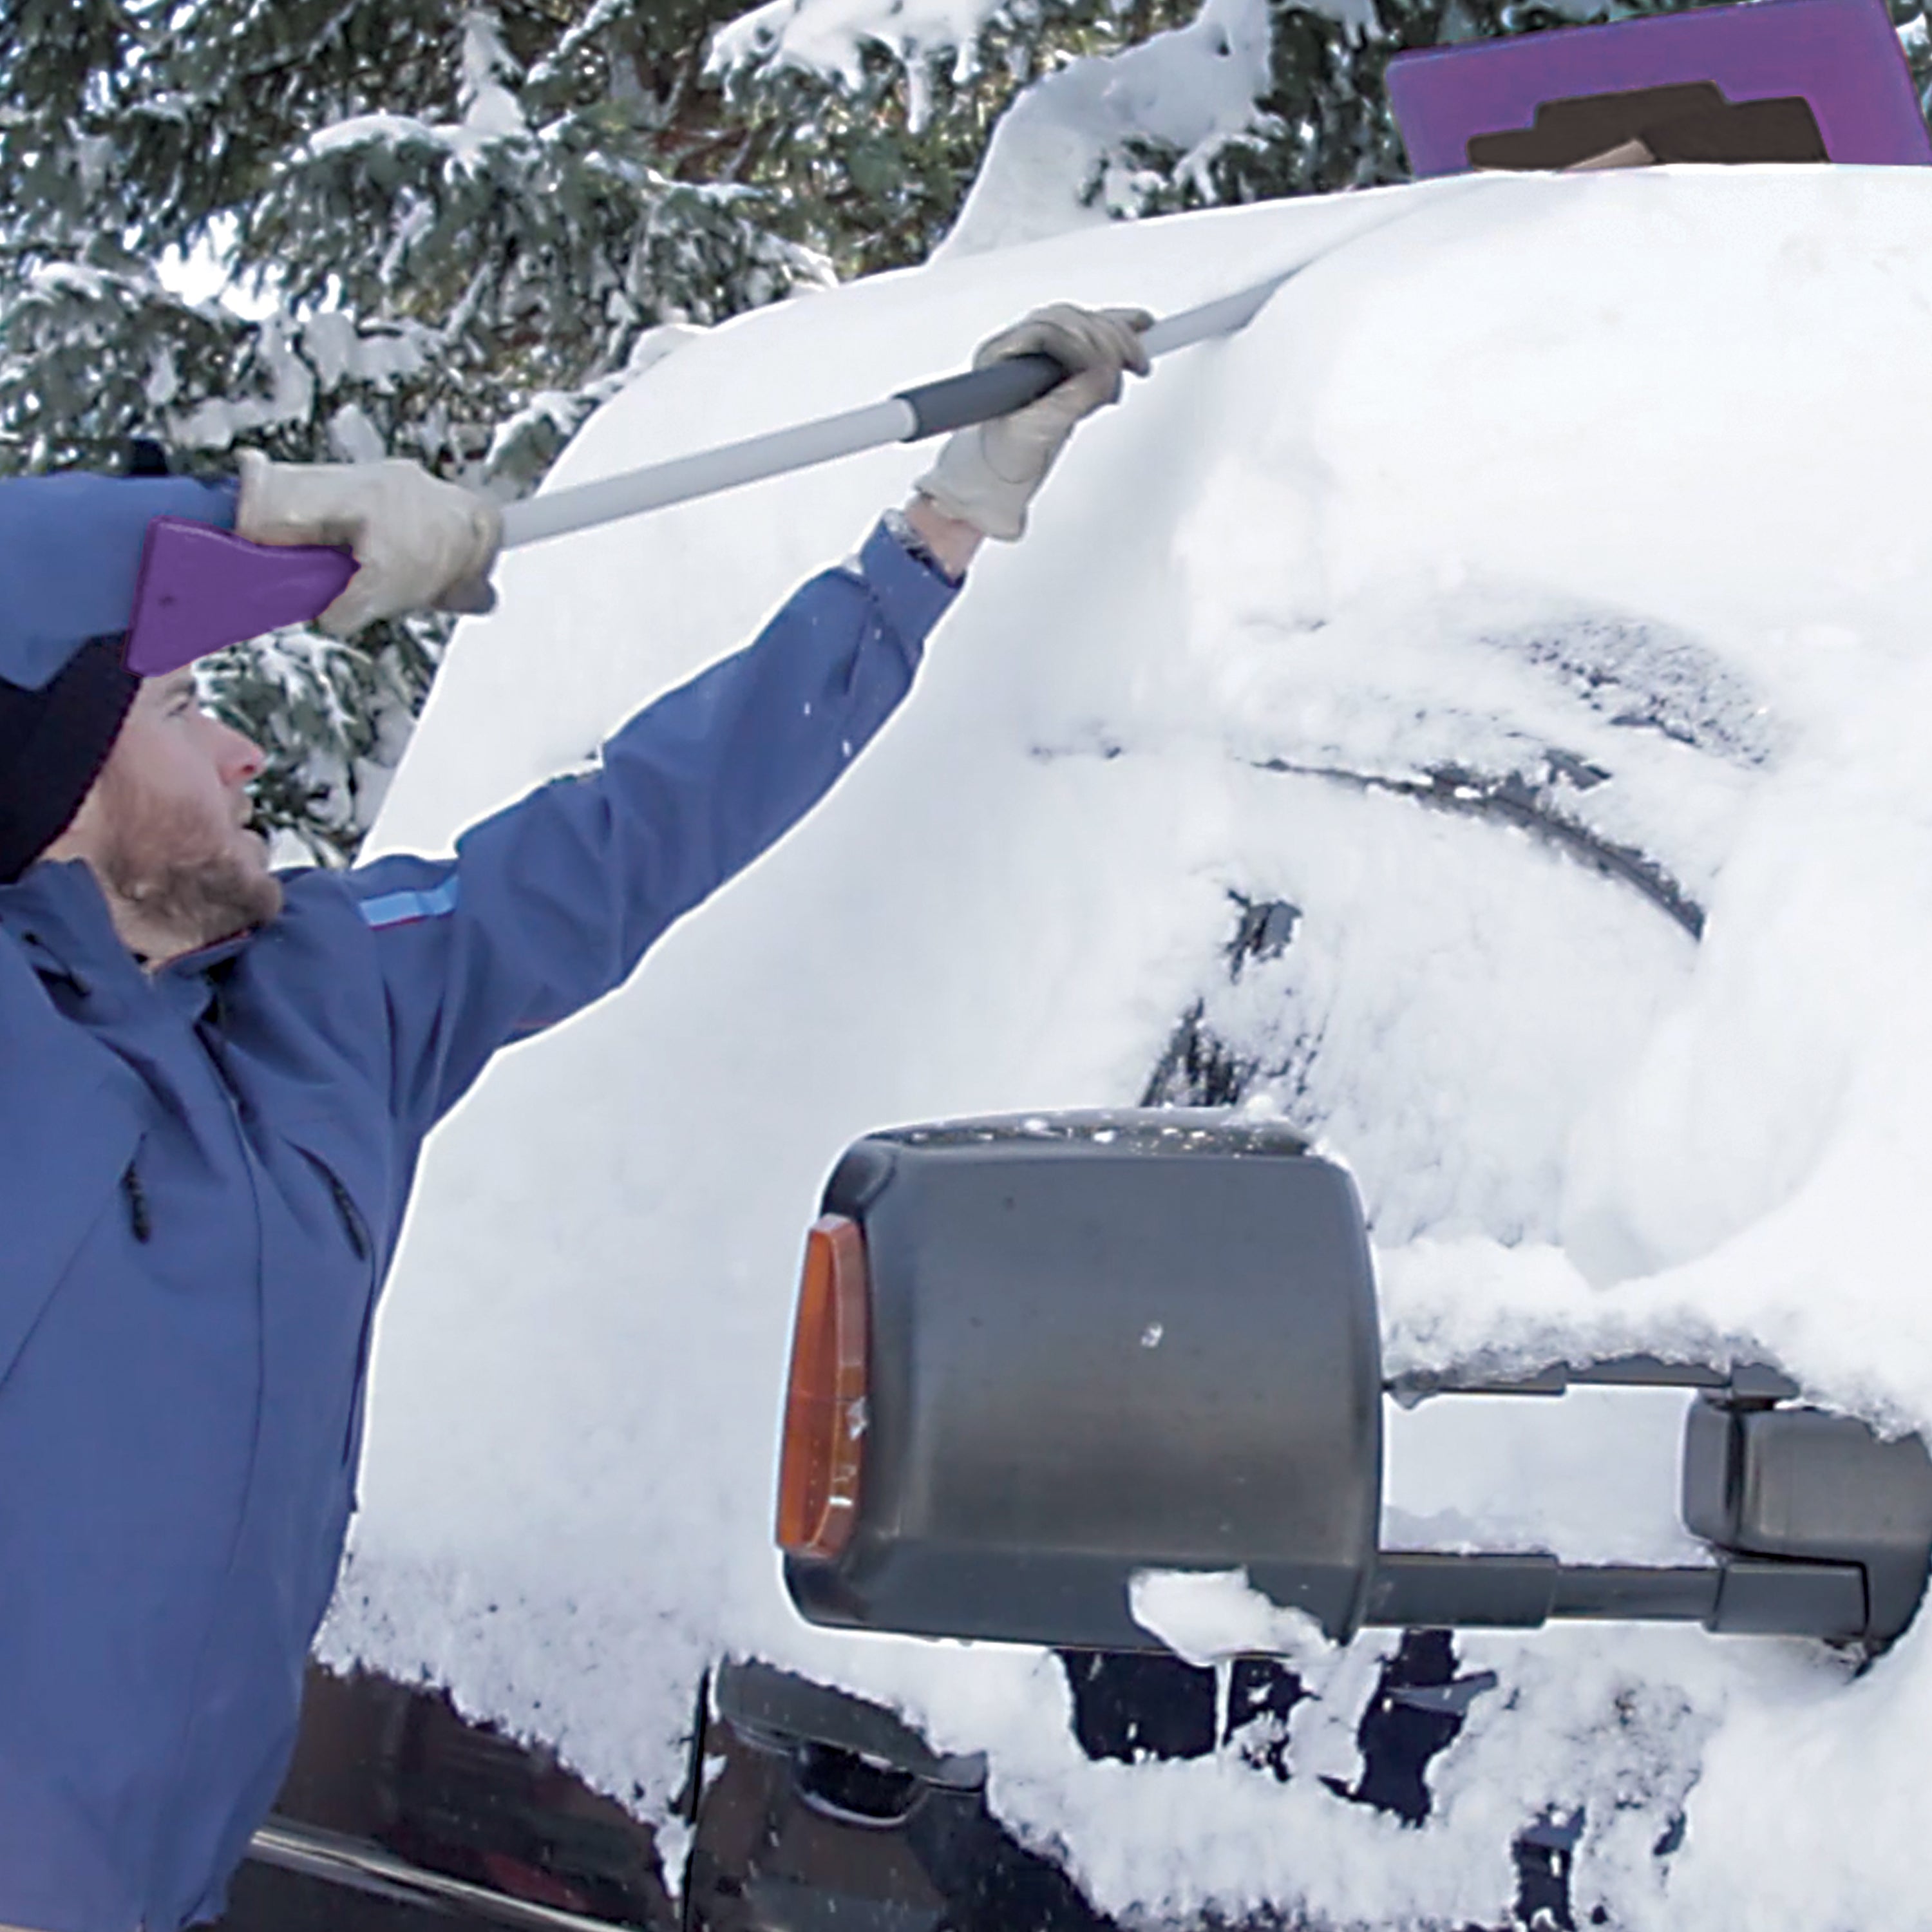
x,y
1781,80
201,588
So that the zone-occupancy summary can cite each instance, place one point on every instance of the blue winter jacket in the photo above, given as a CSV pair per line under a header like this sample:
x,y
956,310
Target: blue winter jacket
x,y
202,1177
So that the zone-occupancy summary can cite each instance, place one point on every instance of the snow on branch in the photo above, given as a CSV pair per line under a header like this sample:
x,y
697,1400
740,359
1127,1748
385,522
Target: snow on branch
x,y
829,37
1062,156
491,113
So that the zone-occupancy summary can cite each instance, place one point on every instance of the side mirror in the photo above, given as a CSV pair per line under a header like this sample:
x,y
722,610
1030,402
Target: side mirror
x,y
1037,1355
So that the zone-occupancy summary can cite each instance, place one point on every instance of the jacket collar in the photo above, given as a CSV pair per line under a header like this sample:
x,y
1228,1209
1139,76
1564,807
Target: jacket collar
x,y
57,914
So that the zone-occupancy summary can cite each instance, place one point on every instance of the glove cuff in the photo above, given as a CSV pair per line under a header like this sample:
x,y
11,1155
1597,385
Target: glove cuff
x,y
964,486
252,519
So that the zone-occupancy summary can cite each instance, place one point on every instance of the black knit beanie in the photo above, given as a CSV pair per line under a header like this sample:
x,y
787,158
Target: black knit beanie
x,y
53,743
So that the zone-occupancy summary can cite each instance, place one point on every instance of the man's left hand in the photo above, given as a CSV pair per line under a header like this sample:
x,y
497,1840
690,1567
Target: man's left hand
x,y
987,474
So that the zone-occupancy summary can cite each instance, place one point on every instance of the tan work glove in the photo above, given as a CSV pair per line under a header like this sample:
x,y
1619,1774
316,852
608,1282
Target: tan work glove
x,y
420,544
987,473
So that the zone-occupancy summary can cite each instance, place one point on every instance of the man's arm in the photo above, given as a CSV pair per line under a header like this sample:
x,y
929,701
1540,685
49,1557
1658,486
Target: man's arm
x,y
70,552
550,903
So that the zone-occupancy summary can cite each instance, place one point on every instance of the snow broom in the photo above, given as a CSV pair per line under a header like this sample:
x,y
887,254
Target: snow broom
x,y
200,588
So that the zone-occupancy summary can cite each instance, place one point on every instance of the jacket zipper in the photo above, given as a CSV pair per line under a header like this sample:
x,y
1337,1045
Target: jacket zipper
x,y
137,1204
350,1215
352,1220
353,1227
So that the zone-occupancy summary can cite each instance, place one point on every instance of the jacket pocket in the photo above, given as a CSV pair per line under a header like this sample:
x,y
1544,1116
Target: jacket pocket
x,y
59,1175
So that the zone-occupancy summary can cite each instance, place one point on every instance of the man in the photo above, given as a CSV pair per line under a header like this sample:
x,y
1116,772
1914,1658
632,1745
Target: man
x,y
215,1082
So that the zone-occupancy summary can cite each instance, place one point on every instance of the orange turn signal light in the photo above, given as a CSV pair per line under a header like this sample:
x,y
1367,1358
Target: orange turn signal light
x,y
823,1454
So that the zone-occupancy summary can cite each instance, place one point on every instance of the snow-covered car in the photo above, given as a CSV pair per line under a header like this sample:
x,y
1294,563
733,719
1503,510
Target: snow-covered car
x,y
1477,717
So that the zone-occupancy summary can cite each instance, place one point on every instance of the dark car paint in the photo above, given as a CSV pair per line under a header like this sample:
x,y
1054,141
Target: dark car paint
x,y
812,1810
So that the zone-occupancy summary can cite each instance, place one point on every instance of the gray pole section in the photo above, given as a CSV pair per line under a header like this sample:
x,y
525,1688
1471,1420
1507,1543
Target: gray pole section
x,y
652,488
926,411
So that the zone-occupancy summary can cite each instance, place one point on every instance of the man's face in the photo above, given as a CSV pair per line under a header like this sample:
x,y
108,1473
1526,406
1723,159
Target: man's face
x,y
164,825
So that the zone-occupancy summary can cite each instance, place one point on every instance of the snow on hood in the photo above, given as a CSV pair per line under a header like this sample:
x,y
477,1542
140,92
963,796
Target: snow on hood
x,y
1627,469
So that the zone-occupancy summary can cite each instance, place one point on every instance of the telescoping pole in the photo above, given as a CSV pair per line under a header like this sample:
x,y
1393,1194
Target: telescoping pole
x,y
930,409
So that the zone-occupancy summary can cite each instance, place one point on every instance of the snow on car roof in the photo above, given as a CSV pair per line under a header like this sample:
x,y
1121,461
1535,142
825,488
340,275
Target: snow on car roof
x,y
1610,485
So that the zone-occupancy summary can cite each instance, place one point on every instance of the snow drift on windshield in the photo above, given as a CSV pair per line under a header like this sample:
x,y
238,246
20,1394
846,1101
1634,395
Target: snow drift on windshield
x,y
1613,485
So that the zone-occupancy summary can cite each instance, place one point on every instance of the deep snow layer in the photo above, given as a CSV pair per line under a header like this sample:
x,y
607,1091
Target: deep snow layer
x,y
1631,466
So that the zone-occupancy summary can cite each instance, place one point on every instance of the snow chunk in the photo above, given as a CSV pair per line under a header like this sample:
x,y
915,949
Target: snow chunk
x,y
1205,1615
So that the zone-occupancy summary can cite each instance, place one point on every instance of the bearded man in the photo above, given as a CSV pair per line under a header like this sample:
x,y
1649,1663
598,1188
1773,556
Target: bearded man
x,y
216,1080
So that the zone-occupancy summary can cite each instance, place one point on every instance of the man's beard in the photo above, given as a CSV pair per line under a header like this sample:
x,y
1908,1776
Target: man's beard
x,y
165,860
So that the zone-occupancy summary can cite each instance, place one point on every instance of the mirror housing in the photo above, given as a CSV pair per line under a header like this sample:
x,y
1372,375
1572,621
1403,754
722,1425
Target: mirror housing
x,y
1101,1342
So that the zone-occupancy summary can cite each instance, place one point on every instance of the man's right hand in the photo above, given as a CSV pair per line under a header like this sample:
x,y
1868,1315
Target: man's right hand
x,y
421,543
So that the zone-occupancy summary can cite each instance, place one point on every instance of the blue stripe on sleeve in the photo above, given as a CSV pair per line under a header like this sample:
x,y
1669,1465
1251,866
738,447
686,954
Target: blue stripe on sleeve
x,y
399,908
